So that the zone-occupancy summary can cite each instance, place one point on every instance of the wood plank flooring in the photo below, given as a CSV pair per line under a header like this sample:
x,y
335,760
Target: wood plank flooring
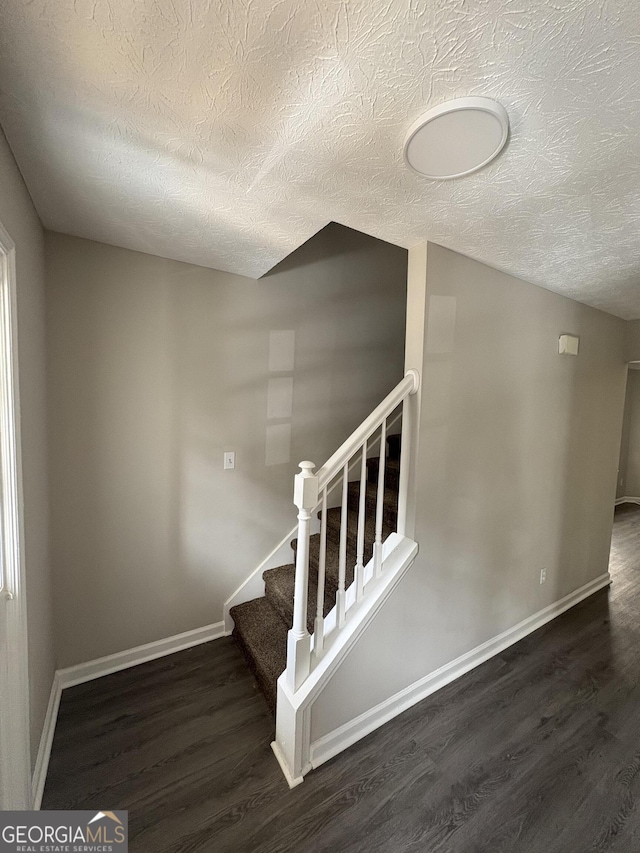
x,y
535,751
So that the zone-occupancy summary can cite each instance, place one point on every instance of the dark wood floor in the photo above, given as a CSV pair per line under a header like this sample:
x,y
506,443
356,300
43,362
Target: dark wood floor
x,y
538,750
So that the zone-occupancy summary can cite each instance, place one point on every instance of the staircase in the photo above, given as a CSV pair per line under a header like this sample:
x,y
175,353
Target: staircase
x,y
297,636
262,625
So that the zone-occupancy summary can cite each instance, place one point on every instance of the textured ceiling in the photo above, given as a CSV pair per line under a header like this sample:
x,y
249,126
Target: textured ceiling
x,y
226,133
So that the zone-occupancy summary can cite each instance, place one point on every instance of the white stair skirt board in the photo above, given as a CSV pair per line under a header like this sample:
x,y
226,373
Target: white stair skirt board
x,y
627,500
292,743
82,672
46,741
343,737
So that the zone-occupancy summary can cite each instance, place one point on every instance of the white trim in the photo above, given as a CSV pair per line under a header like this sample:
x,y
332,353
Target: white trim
x,y
409,384
73,675
627,500
82,672
292,781
46,742
398,555
253,585
293,716
15,747
335,742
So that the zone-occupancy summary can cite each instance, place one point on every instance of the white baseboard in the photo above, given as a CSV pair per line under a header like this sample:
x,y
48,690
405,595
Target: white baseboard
x,y
292,781
335,742
46,741
82,672
627,500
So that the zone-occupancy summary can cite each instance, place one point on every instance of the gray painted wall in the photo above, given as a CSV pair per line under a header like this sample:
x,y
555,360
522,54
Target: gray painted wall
x,y
19,217
156,368
629,465
516,472
632,341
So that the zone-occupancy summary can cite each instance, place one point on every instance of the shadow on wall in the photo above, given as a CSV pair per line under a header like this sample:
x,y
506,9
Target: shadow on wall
x,y
313,250
157,368
515,473
478,445
517,452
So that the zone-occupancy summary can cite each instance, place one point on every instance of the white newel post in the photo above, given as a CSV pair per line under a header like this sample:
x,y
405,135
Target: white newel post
x,y
305,497
407,455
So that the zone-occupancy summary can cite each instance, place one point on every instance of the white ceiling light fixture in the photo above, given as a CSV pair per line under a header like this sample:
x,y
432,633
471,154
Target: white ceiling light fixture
x,y
456,138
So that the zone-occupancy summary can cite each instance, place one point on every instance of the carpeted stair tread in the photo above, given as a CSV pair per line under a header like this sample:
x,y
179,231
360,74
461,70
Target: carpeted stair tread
x,y
333,560
391,472
389,503
333,543
262,636
280,582
280,588
261,625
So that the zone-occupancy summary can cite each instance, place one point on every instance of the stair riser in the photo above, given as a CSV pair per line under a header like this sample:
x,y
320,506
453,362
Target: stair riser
x,y
391,475
332,566
389,521
261,624
265,683
283,604
334,516
393,443
284,607
389,511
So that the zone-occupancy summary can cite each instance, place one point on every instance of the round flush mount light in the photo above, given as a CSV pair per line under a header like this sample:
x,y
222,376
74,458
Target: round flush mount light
x,y
457,138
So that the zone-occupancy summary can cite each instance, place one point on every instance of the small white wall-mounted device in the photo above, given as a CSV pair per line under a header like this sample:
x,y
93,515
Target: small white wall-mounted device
x,y
568,345
229,460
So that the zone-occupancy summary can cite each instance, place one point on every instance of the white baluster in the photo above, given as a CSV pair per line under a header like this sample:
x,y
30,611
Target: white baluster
x,y
318,625
377,545
341,596
305,497
362,514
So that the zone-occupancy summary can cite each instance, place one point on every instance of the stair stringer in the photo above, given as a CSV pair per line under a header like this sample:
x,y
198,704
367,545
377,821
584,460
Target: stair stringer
x,y
292,744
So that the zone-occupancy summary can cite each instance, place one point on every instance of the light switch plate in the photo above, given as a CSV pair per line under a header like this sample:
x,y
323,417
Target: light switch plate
x,y
568,345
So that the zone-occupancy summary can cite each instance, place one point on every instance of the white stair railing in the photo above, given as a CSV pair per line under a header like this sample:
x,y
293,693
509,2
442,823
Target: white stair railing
x,y
310,494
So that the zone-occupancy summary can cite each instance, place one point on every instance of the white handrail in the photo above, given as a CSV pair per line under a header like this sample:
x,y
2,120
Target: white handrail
x,y
408,385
